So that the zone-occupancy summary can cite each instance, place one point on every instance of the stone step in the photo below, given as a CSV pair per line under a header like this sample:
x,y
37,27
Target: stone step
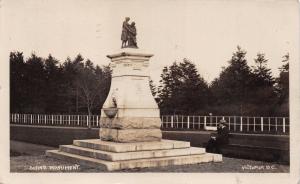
x,y
113,156
81,160
127,147
138,163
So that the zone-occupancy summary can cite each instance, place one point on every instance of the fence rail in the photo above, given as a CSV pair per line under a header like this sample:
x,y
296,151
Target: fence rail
x,y
235,123
56,120
271,125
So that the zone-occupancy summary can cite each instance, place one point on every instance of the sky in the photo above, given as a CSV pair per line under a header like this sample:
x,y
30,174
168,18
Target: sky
x,y
205,32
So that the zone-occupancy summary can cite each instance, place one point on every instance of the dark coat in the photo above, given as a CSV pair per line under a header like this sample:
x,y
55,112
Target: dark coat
x,y
223,135
124,35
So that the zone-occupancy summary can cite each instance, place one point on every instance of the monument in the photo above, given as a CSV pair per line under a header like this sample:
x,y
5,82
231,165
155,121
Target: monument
x,y
130,134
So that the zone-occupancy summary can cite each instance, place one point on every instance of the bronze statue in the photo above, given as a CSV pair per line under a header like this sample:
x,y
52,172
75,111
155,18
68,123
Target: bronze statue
x,y
128,36
124,36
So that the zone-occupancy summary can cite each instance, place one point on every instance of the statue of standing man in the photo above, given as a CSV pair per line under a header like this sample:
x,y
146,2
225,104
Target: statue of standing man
x,y
128,36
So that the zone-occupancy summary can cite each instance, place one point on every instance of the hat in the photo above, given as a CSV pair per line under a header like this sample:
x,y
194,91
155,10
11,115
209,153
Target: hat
x,y
222,121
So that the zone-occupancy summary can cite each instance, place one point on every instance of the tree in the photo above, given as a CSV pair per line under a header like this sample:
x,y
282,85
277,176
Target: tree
x,y
53,80
70,71
232,89
263,74
92,85
282,86
35,88
17,82
182,89
104,75
264,95
152,87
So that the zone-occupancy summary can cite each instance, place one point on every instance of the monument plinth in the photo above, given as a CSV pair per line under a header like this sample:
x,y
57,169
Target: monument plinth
x,y
130,135
138,117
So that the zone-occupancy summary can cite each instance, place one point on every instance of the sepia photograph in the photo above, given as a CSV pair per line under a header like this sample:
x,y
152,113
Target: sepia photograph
x,y
151,90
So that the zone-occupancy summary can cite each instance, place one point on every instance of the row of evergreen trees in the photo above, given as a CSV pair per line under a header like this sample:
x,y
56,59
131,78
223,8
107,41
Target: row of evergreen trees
x,y
40,85
239,89
45,85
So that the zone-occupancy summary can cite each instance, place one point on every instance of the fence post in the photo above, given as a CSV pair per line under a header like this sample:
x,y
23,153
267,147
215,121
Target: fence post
x,y
241,126
283,125
78,120
276,124
38,119
193,122
60,121
269,124
30,118
204,123
52,119
181,121
261,124
248,123
254,124
45,119
234,123
87,121
172,122
229,122
97,120
188,122
69,120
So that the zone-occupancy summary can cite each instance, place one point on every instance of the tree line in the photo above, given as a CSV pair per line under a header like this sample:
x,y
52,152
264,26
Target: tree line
x,y
238,90
45,85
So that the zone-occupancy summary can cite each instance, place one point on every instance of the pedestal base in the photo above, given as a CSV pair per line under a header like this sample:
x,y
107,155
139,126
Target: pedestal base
x,y
117,156
130,135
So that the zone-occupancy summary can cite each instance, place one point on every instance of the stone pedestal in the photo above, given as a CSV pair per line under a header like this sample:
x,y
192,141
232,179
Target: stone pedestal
x,y
138,116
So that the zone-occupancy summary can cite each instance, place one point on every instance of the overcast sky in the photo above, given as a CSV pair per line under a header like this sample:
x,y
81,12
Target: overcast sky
x,y
206,32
